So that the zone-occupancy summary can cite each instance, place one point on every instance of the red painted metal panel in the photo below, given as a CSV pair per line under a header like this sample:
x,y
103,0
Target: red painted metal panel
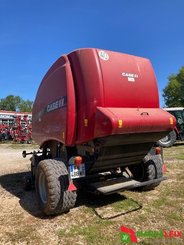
x,y
129,81
111,121
54,107
89,89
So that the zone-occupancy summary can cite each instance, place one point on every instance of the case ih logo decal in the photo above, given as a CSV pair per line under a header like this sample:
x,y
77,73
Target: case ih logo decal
x,y
131,77
57,104
61,102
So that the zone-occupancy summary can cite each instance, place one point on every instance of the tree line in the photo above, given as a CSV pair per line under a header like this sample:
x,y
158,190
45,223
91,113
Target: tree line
x,y
173,93
15,103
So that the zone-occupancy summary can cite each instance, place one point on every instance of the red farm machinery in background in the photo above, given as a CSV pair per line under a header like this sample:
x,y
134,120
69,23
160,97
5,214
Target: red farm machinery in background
x,y
15,126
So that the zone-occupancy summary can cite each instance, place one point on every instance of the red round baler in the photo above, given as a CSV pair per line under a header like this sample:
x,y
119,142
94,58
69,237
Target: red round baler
x,y
96,118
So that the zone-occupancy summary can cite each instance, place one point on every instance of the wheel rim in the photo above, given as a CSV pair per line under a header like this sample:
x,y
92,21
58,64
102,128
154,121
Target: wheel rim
x,y
43,187
165,139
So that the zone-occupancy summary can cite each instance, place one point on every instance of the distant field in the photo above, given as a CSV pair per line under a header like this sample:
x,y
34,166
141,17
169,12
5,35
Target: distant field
x,y
94,220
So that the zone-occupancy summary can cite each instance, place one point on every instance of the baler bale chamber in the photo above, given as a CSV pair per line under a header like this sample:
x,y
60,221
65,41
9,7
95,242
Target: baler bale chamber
x,y
96,118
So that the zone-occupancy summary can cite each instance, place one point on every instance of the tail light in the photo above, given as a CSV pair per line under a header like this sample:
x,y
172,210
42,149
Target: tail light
x,y
78,160
157,150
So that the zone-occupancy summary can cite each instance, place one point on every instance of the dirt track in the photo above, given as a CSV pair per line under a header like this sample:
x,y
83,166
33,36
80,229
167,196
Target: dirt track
x,y
12,160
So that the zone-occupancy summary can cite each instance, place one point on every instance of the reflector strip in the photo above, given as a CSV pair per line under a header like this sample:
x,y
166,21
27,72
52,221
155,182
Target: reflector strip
x,y
164,168
171,120
77,160
85,122
157,150
120,123
72,187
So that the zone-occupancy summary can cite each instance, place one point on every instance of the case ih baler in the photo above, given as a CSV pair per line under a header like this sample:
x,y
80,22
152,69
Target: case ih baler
x,y
96,118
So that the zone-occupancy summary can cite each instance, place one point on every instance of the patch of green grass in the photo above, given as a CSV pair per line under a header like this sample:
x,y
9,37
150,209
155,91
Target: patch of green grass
x,y
180,157
174,166
173,191
178,192
96,232
173,153
174,216
88,210
125,205
142,217
159,202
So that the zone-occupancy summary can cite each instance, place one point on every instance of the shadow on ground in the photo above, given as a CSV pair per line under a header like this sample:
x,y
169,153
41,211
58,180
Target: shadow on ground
x,y
179,143
14,184
115,201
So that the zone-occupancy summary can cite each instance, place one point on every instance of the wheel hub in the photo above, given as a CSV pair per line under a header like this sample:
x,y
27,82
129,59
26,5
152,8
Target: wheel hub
x,y
43,187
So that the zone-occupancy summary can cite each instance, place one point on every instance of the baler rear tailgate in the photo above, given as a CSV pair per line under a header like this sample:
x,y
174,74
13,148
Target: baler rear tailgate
x,y
111,121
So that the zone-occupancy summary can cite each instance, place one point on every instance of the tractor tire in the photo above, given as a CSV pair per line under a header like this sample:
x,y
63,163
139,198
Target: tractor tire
x,y
150,169
51,182
169,140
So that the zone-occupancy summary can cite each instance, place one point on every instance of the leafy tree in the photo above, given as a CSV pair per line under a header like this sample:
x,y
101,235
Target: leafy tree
x,y
10,103
173,93
15,103
26,105
180,78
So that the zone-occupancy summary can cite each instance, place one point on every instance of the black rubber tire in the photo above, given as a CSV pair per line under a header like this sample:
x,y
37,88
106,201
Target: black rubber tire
x,y
169,140
51,182
150,169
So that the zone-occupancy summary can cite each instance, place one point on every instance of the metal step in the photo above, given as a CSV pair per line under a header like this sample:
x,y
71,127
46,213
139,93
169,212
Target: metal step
x,y
122,183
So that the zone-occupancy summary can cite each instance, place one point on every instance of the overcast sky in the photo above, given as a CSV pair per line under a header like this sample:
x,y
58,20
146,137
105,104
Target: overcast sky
x,y
33,34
